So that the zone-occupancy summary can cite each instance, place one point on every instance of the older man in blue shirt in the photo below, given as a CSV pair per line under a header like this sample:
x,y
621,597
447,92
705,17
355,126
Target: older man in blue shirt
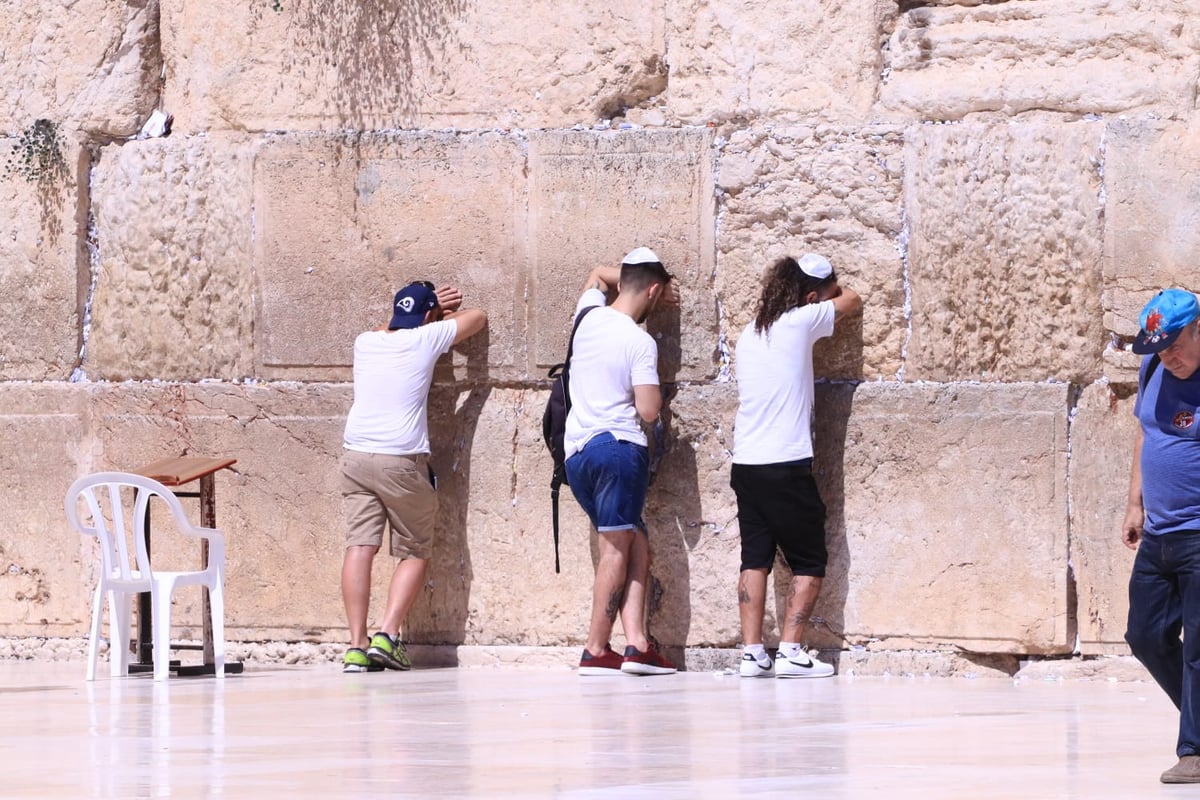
x,y
1162,520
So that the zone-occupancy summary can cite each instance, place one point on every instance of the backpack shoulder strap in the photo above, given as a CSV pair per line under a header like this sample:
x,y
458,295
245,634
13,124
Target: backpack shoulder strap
x,y
570,352
564,370
1154,362
575,330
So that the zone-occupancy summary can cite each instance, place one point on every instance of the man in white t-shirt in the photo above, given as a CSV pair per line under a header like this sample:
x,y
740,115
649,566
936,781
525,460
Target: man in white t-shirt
x,y
614,388
779,507
386,482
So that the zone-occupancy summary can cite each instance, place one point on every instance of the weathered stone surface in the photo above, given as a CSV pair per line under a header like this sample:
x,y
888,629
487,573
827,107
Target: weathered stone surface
x,y
174,294
724,64
91,65
342,224
863,662
1004,251
1102,435
1011,253
962,485
319,65
46,570
944,61
837,191
43,265
596,196
1152,229
692,516
492,579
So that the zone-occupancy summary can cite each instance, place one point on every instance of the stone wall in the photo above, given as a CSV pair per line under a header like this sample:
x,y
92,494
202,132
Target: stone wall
x,y
1005,183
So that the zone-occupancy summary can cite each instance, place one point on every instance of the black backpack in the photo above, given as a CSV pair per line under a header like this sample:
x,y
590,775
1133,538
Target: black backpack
x,y
554,425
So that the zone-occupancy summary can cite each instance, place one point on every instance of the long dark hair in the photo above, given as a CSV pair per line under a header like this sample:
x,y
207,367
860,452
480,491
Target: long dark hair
x,y
785,286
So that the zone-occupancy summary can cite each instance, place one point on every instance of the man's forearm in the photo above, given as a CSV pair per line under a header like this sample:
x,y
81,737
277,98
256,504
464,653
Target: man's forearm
x,y
603,278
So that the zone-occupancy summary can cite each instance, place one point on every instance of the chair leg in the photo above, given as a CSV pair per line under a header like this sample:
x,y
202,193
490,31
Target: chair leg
x,y
94,633
120,609
216,605
161,602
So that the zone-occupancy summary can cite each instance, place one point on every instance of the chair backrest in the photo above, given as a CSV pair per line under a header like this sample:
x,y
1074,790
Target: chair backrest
x,y
116,523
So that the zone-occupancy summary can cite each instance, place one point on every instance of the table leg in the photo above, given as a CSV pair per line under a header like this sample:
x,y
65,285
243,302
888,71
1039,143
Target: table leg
x,y
208,519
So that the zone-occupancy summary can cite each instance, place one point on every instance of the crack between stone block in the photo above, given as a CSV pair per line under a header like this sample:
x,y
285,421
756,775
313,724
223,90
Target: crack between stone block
x,y
1074,395
902,242
516,447
92,243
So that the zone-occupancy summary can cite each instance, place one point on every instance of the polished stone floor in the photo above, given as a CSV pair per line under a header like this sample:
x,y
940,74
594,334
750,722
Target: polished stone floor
x,y
312,732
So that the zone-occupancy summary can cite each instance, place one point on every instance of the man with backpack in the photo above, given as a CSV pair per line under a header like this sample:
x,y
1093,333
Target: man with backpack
x,y
779,507
385,480
1162,517
613,387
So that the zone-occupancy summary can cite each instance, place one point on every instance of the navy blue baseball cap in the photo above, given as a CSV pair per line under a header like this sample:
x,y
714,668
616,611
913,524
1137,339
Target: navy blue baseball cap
x,y
1164,318
411,304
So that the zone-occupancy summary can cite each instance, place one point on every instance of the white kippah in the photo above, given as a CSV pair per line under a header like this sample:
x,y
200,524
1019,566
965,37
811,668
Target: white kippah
x,y
642,255
815,266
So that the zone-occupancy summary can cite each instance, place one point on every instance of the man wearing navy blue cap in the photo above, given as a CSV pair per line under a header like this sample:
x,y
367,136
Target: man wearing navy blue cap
x,y
385,478
1162,519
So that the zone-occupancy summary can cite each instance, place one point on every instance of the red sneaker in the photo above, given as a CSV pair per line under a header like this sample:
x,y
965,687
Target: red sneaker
x,y
607,663
651,662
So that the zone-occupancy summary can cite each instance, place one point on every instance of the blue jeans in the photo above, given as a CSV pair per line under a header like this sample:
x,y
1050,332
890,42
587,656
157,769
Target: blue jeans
x,y
1164,599
609,478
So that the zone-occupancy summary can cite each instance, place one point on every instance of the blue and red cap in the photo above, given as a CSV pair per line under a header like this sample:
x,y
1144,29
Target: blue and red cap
x,y
1164,318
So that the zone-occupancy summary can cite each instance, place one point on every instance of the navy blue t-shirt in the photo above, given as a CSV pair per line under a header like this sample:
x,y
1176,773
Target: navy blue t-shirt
x,y
1169,412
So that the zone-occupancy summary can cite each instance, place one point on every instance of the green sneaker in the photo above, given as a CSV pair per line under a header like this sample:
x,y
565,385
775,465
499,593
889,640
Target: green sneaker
x,y
357,661
388,652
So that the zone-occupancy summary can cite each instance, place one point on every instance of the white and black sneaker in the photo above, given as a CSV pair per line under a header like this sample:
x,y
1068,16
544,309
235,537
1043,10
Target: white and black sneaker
x,y
801,665
756,668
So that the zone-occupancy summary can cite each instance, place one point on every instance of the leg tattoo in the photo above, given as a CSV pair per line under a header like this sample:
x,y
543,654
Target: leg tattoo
x,y
614,604
803,616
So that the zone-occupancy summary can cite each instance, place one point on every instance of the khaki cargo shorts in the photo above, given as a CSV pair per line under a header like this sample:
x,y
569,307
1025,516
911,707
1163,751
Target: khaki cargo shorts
x,y
380,490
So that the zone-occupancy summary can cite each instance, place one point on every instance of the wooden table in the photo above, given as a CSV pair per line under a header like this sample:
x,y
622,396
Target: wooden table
x,y
173,472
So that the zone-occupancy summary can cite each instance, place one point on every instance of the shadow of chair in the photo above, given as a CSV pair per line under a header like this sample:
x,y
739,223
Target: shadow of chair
x,y
116,509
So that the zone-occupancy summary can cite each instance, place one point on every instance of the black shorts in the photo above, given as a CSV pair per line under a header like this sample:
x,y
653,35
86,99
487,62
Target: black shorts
x,y
779,507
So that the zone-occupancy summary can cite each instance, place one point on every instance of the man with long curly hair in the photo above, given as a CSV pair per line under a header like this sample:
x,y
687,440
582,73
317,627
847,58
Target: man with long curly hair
x,y
779,507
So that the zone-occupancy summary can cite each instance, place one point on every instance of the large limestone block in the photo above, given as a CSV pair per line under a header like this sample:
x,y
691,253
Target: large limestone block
x,y
785,191
779,60
491,579
946,60
174,293
279,506
341,224
91,65
43,265
596,196
955,516
47,572
1004,251
316,65
1152,230
1103,431
692,516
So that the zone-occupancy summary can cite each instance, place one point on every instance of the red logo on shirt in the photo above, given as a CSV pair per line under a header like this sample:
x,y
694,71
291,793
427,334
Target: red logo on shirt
x,y
1184,420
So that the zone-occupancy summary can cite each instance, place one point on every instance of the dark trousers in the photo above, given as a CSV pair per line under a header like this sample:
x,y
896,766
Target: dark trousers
x,y
1164,599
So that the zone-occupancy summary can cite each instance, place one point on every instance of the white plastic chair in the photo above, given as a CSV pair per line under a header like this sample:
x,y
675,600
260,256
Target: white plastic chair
x,y
112,522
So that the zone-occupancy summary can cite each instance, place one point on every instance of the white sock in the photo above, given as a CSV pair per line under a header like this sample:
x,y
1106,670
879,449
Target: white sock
x,y
757,650
789,649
